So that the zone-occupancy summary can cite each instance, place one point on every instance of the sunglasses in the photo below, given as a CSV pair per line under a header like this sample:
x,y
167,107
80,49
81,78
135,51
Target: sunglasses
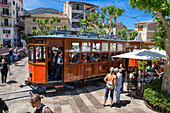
x,y
32,101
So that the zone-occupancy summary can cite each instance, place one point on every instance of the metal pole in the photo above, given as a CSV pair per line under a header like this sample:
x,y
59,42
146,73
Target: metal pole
x,y
142,78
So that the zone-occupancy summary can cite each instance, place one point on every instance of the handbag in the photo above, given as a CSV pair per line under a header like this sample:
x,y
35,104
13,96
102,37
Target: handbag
x,y
10,72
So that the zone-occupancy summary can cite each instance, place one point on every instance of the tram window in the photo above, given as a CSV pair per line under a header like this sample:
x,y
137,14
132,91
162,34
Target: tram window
x,y
40,53
96,46
74,47
86,47
95,57
85,58
40,41
31,53
105,47
112,46
104,56
74,58
120,47
30,41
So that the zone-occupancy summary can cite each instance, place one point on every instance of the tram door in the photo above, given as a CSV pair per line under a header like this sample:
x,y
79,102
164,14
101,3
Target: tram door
x,y
55,70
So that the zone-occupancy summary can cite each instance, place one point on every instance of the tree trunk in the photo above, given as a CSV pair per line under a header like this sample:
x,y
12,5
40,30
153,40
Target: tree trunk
x,y
115,25
110,25
166,78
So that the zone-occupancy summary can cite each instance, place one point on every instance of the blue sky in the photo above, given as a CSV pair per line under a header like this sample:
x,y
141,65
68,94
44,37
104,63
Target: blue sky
x,y
126,18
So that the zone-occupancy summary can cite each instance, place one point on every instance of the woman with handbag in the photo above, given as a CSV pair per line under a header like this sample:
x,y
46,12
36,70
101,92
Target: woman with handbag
x,y
16,57
110,80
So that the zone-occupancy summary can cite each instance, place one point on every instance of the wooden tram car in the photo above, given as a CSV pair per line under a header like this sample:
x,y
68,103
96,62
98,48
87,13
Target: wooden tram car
x,y
74,49
41,68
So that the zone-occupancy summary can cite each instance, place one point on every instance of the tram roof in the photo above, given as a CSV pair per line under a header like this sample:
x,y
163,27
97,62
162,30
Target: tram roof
x,y
77,37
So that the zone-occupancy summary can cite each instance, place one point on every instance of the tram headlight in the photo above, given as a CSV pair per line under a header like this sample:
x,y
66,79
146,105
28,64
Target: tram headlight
x,y
30,75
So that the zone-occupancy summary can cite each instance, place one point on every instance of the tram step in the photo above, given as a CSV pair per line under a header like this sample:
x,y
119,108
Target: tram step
x,y
50,90
58,86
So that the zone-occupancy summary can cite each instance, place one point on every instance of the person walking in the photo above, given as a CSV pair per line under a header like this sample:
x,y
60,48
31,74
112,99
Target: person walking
x,y
10,55
3,106
110,80
35,101
118,85
15,57
4,71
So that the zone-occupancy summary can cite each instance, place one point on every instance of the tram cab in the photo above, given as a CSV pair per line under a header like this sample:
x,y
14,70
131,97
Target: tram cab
x,y
83,58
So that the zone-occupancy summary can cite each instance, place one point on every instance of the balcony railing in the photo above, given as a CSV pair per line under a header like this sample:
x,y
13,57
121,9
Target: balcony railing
x,y
5,14
8,25
5,3
20,25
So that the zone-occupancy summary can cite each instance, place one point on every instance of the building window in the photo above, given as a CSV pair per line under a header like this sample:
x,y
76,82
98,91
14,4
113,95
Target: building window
x,y
21,9
77,7
13,2
140,28
6,31
77,16
5,11
76,24
5,22
34,28
13,12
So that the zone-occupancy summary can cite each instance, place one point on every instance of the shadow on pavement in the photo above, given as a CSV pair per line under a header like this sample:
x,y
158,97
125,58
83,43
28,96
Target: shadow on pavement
x,y
12,82
122,103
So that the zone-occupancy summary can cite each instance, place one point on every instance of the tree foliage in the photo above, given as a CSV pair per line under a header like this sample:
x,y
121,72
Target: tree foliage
x,y
122,33
107,16
133,34
64,27
46,26
25,37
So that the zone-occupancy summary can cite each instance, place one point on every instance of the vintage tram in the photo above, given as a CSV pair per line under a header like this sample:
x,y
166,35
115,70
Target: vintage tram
x,y
84,57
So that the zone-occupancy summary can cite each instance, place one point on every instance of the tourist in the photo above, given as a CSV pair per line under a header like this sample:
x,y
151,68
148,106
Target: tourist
x,y
161,72
3,106
39,107
10,55
84,60
16,57
94,59
122,70
110,80
118,84
4,71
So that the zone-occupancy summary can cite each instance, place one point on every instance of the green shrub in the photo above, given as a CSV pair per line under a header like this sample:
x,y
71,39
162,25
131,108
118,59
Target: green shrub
x,y
154,95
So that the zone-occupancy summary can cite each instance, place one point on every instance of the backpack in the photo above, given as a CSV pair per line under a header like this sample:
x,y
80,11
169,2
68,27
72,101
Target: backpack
x,y
110,83
43,109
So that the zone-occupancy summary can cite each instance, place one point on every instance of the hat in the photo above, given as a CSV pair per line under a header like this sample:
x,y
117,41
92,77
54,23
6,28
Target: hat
x,y
148,68
111,68
116,69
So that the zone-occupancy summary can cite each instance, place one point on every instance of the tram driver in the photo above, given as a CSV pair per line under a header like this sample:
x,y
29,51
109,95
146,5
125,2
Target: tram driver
x,y
58,65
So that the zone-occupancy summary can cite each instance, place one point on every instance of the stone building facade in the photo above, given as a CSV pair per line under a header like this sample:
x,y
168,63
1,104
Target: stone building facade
x,y
76,11
31,24
145,30
11,25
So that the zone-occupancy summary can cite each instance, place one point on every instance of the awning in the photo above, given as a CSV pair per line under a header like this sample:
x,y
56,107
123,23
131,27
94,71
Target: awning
x,y
6,39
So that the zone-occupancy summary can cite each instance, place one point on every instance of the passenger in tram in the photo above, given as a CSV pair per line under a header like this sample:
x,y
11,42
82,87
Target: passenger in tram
x,y
38,53
58,65
84,60
104,57
94,59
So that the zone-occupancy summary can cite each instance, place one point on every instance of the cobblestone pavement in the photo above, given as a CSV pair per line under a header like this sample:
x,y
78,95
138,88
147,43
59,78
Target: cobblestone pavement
x,y
84,99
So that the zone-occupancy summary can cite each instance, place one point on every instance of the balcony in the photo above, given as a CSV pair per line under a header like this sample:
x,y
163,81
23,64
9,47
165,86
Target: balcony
x,y
6,14
6,25
20,25
5,3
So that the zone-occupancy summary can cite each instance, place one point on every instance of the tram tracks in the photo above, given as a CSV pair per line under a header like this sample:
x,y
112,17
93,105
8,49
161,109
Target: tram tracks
x,y
16,95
